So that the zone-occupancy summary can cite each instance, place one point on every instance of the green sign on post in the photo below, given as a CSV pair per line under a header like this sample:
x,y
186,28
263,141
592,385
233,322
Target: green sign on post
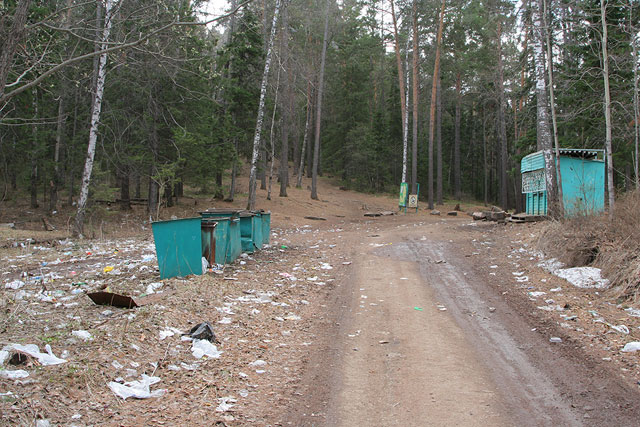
x,y
404,194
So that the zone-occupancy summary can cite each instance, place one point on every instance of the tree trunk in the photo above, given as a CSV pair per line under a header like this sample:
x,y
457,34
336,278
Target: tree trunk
x,y
439,194
125,198
414,146
405,124
316,151
251,203
10,44
234,171
33,179
168,193
311,148
434,91
457,186
636,97
552,102
543,127
607,110
295,160
271,135
56,180
305,138
137,182
286,112
153,197
95,120
502,126
485,161
403,109
219,192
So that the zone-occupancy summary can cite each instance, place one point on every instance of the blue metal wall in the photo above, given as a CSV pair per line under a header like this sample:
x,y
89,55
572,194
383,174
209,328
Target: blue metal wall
x,y
582,185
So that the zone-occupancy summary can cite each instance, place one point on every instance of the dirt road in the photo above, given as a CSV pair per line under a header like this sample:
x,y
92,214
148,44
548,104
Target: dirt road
x,y
423,337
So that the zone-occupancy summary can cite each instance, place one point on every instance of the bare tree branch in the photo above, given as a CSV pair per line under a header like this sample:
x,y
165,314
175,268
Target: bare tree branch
x,y
6,96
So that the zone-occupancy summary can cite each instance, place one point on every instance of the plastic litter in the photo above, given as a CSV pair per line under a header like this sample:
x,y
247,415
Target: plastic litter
x,y
168,333
108,269
620,328
635,312
417,308
153,287
13,375
555,339
83,335
202,348
203,331
631,347
226,403
16,284
32,350
139,389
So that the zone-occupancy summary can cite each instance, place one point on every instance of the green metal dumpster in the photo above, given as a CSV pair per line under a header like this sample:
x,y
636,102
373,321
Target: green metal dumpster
x,y
246,231
266,227
208,238
257,229
178,247
220,213
235,243
222,238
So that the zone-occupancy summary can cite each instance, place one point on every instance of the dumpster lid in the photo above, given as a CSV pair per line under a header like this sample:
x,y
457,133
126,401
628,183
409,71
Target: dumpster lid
x,y
217,218
222,211
177,219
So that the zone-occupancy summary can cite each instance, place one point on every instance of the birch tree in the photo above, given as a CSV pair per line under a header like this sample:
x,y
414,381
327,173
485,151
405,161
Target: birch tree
x,y
607,109
414,145
543,134
95,121
251,203
403,106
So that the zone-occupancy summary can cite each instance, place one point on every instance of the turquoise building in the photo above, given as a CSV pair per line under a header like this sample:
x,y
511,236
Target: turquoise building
x,y
582,172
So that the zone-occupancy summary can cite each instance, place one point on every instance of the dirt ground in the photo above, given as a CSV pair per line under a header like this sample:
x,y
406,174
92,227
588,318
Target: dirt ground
x,y
410,319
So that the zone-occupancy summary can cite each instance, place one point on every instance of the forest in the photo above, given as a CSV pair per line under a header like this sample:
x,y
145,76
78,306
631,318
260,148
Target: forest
x,y
136,100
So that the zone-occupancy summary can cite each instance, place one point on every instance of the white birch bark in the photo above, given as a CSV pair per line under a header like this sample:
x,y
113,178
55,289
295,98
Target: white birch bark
x,y
251,203
95,120
403,105
405,125
543,126
607,109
